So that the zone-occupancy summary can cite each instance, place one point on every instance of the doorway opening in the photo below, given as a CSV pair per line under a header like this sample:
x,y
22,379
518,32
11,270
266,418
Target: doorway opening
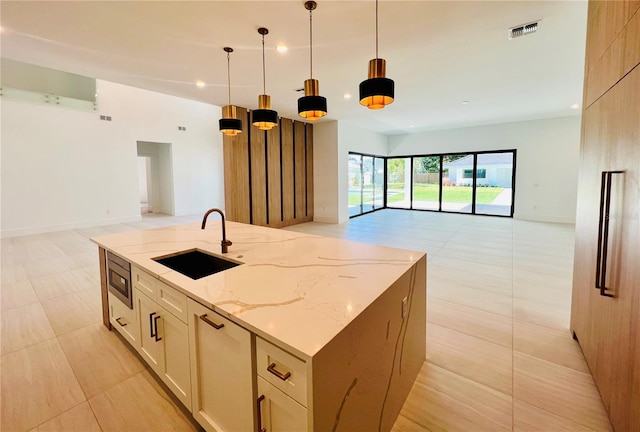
x,y
145,184
155,178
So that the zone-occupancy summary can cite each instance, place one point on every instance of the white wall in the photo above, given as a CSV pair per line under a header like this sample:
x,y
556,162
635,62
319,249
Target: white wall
x,y
143,184
546,166
325,172
63,168
332,142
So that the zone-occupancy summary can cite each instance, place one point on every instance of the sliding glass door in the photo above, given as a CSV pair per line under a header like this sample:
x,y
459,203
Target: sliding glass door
x,y
457,183
426,183
398,182
471,182
494,183
366,183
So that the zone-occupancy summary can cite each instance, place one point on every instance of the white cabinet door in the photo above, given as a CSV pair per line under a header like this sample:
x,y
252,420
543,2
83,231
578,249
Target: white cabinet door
x,y
221,372
277,412
124,320
164,344
150,343
175,367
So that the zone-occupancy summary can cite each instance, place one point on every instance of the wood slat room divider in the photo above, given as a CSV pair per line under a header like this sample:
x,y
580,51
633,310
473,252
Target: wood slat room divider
x,y
268,175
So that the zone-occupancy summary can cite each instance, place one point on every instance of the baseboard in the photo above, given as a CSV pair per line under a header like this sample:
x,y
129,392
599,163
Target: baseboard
x,y
544,218
327,220
66,226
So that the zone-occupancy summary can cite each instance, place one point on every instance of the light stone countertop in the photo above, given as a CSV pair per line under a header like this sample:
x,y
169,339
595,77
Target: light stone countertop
x,y
296,290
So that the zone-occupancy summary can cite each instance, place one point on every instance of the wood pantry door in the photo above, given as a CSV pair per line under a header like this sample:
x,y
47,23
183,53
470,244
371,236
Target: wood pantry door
x,y
606,326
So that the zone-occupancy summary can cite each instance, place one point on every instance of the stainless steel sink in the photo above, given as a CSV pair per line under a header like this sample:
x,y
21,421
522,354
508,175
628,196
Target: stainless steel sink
x,y
195,263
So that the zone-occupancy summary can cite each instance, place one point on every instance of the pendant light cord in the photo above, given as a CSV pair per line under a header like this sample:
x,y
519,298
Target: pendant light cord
x,y
311,43
264,79
229,76
376,28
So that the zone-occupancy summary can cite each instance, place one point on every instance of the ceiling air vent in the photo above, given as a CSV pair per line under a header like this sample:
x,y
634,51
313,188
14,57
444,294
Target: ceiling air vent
x,y
523,30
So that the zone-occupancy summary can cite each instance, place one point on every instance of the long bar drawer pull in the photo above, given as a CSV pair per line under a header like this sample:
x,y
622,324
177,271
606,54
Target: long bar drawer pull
x,y
260,428
211,323
272,368
151,332
118,321
603,232
155,323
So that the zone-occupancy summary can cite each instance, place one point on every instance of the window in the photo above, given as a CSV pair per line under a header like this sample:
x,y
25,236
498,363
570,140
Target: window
x,y
468,173
473,182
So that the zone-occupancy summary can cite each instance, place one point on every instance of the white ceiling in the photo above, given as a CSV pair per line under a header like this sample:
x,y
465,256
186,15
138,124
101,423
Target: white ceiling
x,y
439,53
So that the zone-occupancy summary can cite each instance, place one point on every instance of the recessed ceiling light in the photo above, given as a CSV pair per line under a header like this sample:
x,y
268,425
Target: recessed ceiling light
x,y
200,84
347,95
411,126
465,102
575,106
282,48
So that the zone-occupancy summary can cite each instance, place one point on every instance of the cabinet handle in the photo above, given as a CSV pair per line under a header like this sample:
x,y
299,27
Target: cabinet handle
x,y
603,232
260,428
272,368
118,321
211,323
155,323
151,330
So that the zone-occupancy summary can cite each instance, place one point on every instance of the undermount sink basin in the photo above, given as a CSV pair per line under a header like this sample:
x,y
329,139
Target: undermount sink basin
x,y
195,264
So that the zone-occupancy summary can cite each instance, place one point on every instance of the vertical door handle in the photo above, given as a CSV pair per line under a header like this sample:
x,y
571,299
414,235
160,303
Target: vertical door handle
x,y
260,428
155,324
151,330
603,232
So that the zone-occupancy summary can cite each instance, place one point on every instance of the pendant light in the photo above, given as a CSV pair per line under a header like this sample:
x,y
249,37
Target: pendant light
x,y
264,117
229,124
311,106
377,91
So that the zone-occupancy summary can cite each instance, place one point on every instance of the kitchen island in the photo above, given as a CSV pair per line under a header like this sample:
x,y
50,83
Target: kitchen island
x,y
307,333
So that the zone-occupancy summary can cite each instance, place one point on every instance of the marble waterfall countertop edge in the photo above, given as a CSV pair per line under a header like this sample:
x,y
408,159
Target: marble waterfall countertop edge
x,y
295,289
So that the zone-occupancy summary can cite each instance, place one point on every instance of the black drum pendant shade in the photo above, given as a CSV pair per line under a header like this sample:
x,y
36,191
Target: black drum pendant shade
x,y
264,117
311,106
378,91
229,124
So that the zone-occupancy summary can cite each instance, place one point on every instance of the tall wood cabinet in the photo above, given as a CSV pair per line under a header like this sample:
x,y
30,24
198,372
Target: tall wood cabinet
x,y
268,175
606,285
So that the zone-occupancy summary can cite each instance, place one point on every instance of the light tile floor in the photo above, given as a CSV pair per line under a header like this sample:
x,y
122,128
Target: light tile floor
x,y
499,353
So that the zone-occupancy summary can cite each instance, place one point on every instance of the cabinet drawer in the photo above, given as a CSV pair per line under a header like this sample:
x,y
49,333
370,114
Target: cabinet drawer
x,y
124,320
169,298
286,372
144,282
172,300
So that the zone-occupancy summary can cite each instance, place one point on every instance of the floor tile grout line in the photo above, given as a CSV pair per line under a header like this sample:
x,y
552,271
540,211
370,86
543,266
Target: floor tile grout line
x,y
459,401
469,334
29,346
557,415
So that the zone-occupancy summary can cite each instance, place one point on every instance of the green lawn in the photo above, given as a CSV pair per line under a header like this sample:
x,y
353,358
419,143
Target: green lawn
x,y
460,194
